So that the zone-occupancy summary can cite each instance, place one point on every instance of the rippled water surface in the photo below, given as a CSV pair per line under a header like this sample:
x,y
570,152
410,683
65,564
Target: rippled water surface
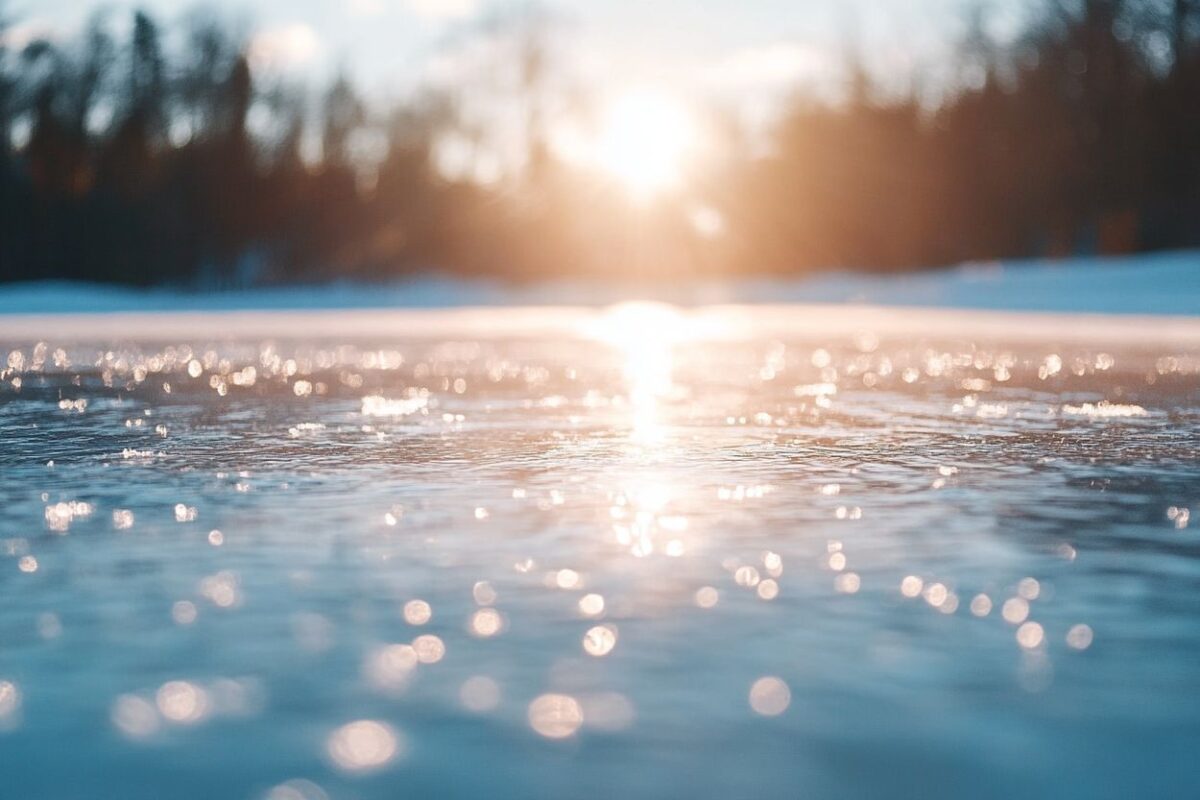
x,y
647,554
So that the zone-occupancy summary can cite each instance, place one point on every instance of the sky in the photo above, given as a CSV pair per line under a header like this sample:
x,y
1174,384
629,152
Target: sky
x,y
747,50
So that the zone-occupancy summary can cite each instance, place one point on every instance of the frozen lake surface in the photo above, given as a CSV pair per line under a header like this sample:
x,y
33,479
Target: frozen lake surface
x,y
637,552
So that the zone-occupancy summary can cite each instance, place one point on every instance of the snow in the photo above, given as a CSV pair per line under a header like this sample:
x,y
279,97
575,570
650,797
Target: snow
x,y
1157,284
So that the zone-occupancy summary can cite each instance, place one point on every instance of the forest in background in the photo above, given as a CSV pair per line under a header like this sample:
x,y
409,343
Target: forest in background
x,y
123,161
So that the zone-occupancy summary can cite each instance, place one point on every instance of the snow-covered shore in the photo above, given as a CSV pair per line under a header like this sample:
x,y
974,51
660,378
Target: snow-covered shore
x,y
1157,284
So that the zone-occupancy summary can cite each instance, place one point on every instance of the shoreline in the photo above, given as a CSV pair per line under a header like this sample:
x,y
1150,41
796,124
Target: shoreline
x,y
706,323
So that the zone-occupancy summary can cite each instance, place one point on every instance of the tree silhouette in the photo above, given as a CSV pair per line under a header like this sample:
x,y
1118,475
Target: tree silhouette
x,y
119,162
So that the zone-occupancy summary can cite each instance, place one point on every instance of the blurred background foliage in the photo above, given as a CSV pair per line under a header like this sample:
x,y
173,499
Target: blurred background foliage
x,y
123,162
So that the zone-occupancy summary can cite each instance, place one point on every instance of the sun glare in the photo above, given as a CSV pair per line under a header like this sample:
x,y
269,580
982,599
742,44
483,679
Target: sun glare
x,y
646,335
642,140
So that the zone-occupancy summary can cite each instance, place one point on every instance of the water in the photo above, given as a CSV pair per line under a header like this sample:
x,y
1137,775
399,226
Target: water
x,y
639,553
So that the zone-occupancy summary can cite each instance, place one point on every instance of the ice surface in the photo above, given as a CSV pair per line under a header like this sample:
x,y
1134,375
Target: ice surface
x,y
636,552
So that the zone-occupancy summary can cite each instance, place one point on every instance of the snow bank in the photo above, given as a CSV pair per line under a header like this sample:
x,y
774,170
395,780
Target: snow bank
x,y
1165,283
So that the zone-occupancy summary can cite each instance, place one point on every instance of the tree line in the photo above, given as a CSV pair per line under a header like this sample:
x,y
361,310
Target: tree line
x,y
120,162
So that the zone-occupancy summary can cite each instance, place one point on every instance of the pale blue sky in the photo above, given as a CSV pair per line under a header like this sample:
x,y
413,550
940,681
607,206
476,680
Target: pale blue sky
x,y
742,49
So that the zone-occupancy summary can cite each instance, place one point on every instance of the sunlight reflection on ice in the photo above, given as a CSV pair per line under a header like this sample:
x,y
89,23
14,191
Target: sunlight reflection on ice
x,y
655,527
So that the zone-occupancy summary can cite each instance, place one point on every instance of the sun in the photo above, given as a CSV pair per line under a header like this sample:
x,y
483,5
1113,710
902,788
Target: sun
x,y
643,140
